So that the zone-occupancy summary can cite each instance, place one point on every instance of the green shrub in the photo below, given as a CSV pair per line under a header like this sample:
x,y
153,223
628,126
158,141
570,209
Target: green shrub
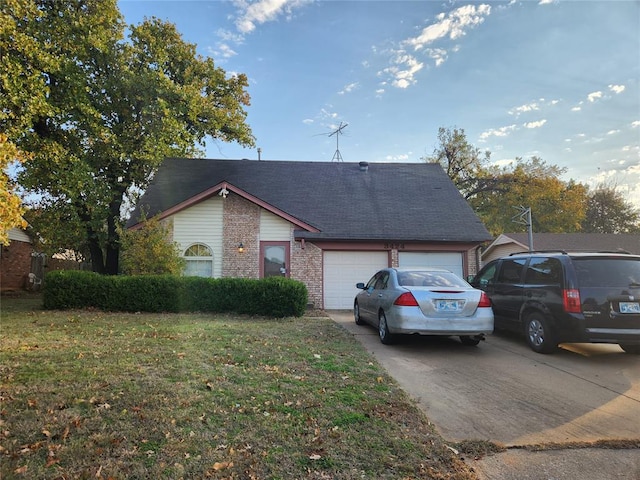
x,y
273,297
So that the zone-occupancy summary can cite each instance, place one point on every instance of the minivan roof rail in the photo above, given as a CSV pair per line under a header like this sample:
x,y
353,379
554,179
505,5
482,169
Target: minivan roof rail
x,y
622,251
539,251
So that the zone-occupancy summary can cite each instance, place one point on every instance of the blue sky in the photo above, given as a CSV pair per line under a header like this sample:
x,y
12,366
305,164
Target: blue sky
x,y
555,79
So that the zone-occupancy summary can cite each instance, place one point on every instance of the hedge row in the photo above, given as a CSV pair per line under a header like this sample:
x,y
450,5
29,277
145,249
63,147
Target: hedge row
x,y
274,296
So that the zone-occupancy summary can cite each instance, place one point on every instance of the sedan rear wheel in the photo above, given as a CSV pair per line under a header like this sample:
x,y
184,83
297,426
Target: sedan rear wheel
x,y
635,349
356,314
540,337
386,336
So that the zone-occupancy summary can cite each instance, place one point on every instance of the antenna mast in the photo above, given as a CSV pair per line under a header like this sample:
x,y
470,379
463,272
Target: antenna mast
x,y
337,156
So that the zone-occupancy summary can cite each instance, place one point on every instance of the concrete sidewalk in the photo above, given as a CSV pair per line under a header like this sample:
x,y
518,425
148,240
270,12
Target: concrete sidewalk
x,y
515,463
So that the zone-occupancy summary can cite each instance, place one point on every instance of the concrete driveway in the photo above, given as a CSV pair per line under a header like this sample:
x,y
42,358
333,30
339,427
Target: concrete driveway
x,y
504,392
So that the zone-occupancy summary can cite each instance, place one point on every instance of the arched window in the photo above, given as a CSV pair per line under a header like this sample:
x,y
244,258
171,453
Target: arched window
x,y
199,261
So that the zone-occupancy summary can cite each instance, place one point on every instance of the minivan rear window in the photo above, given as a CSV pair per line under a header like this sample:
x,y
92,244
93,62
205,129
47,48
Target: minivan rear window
x,y
607,272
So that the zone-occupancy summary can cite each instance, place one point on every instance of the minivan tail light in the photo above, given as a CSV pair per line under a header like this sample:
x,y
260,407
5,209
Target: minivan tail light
x,y
484,300
571,301
406,300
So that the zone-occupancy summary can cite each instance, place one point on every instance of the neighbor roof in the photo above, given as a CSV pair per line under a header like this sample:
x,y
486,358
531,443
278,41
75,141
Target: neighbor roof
x,y
575,241
340,201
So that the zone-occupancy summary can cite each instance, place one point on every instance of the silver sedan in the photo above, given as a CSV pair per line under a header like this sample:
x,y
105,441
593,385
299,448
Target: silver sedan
x,y
423,301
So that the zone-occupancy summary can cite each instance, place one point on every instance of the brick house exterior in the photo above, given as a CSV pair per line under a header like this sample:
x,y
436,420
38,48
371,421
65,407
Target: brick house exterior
x,y
327,224
15,261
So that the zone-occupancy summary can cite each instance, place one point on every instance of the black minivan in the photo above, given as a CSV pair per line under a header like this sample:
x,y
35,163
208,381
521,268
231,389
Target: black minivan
x,y
556,297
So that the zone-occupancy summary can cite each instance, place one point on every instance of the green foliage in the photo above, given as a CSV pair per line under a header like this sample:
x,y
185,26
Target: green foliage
x,y
608,212
463,163
556,206
495,192
99,112
274,297
148,251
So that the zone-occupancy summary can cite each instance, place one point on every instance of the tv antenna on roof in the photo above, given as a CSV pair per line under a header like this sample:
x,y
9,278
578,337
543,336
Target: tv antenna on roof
x,y
337,132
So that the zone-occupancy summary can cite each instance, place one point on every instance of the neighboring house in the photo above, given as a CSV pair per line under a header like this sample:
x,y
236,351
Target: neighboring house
x,y
15,261
508,243
327,224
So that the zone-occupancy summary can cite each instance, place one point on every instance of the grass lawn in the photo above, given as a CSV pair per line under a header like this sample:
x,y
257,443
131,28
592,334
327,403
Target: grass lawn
x,y
93,395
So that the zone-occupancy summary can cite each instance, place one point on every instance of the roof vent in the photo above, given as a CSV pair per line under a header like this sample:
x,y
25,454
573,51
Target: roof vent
x,y
364,166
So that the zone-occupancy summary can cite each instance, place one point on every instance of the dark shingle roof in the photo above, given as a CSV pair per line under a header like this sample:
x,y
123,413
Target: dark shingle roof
x,y
581,241
389,201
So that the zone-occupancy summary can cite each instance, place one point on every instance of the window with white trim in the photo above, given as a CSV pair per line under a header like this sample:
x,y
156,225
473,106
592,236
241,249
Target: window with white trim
x,y
198,261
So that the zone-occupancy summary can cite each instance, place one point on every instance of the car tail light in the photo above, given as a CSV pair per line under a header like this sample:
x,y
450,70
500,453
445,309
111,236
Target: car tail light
x,y
406,300
484,300
571,301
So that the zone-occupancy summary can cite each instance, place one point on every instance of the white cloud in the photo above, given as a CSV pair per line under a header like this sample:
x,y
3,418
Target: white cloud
x,y
324,113
224,51
452,25
635,124
613,132
576,109
404,70
537,124
349,88
263,11
307,121
397,158
497,132
617,88
592,97
524,109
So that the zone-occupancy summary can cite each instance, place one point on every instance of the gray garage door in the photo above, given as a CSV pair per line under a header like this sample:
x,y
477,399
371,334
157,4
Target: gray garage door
x,y
449,260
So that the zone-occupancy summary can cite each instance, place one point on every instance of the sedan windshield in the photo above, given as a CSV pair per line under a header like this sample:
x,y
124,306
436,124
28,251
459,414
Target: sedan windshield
x,y
430,279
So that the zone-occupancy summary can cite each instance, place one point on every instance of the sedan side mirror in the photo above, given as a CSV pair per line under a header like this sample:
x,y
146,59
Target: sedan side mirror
x,y
360,285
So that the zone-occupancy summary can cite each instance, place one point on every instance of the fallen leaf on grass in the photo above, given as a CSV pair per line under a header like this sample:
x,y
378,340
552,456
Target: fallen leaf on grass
x,y
222,466
315,456
20,470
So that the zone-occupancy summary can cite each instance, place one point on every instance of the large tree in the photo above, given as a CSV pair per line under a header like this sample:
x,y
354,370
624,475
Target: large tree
x,y
609,212
21,99
115,107
496,193
466,165
556,206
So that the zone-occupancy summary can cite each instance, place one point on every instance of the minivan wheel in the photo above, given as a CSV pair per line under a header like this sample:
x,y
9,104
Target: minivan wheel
x,y
634,349
386,336
356,314
539,335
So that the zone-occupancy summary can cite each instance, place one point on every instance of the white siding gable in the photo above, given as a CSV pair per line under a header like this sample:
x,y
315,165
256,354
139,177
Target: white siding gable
x,y
201,223
274,228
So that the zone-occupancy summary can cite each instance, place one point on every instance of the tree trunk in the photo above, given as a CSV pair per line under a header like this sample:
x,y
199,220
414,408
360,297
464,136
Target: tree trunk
x,y
112,264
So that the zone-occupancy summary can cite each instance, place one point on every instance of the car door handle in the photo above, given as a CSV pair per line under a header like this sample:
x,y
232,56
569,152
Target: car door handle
x,y
379,295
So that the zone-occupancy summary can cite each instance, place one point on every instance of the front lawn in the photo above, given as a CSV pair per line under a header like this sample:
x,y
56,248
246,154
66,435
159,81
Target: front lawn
x,y
93,395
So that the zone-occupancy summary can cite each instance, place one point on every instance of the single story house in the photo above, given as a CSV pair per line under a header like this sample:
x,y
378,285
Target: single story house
x,y
15,261
508,243
327,224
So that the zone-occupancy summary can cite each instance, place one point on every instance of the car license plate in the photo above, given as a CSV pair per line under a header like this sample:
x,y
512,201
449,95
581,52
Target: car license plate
x,y
448,305
629,307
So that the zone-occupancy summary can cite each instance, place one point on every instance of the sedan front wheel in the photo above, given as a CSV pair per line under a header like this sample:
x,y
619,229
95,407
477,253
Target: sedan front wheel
x,y
356,314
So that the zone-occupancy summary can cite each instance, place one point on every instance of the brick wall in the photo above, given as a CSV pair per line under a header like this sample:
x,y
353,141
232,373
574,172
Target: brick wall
x,y
15,265
241,224
306,266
